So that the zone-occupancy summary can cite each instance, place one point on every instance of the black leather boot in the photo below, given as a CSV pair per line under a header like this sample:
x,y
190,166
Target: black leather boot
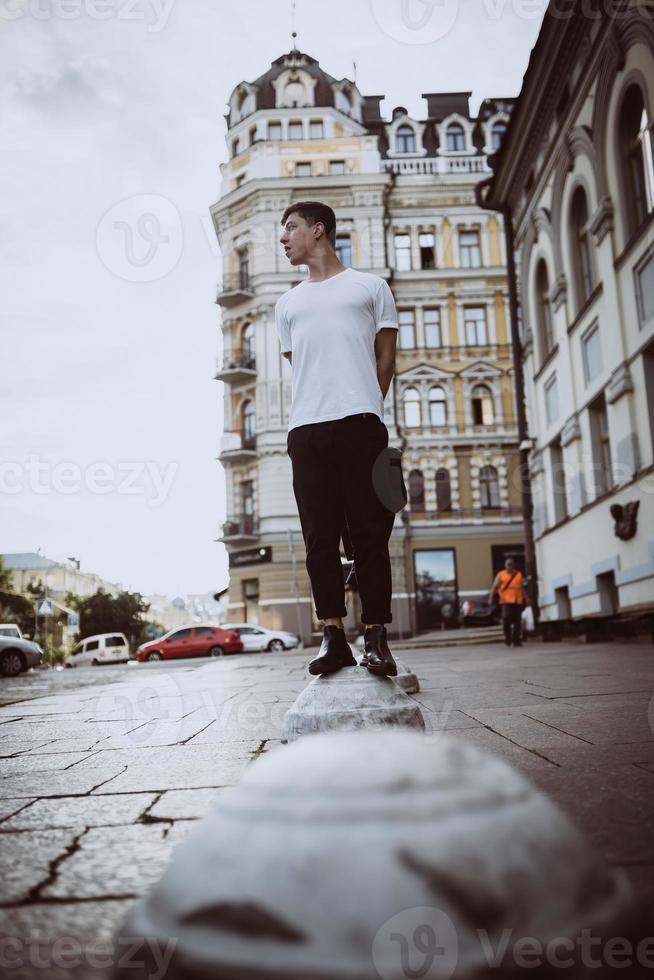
x,y
378,658
334,652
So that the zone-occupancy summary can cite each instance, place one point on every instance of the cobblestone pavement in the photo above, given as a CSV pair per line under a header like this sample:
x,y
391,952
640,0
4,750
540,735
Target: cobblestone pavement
x,y
103,771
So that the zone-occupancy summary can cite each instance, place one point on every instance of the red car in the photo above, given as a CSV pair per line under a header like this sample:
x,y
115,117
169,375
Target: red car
x,y
192,641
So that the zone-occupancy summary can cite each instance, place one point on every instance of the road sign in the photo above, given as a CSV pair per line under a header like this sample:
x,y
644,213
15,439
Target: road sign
x,y
73,619
45,607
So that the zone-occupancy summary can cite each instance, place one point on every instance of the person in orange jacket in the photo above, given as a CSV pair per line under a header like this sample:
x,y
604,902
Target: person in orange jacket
x,y
509,589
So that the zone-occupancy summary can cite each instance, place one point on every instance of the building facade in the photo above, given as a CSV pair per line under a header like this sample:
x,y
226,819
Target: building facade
x,y
403,193
575,170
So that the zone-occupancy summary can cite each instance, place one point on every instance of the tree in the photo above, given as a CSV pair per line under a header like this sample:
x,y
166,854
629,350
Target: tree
x,y
14,607
105,613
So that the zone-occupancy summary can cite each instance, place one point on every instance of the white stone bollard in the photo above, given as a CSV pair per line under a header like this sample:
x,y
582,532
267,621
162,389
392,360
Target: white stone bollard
x,y
406,678
350,699
376,854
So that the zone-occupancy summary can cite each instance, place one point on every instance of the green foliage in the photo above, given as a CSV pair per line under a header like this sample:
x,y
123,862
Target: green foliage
x,y
105,613
14,607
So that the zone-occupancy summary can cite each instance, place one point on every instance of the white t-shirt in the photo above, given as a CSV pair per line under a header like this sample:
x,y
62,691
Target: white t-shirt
x,y
330,327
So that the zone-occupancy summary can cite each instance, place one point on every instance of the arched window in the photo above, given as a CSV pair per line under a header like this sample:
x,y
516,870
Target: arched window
x,y
247,343
483,412
489,487
405,140
248,420
581,254
437,407
456,139
416,490
412,413
635,142
497,133
443,491
544,310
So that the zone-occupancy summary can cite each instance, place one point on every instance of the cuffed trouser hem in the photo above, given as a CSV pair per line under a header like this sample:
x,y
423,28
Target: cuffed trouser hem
x,y
333,615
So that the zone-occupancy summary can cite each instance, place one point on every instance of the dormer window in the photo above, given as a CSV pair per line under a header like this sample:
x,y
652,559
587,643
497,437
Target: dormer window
x,y
405,140
497,134
456,139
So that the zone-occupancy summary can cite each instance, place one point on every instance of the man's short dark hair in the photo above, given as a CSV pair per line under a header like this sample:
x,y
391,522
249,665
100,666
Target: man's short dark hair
x,y
313,211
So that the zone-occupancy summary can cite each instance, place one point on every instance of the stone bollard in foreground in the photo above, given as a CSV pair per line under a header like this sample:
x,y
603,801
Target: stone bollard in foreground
x,y
350,699
378,854
406,679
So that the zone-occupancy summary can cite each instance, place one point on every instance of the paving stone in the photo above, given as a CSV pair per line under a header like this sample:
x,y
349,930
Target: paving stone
x,y
118,862
8,807
73,782
185,803
56,761
26,859
62,941
80,812
15,746
223,772
173,756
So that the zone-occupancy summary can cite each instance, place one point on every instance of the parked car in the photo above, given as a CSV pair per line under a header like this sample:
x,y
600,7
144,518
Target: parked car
x,y
258,638
191,641
477,612
102,648
17,655
11,629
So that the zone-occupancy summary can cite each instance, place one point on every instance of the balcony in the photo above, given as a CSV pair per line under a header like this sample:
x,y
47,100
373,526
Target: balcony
x,y
234,290
237,447
242,529
437,165
236,368
473,515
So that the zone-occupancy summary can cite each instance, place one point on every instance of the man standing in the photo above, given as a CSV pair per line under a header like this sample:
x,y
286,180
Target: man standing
x,y
508,586
338,329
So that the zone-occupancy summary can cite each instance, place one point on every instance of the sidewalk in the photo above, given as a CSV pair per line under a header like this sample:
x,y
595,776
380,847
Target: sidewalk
x,y
101,778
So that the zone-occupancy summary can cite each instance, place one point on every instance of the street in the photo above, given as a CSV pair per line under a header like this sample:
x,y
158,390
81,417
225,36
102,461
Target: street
x,y
104,770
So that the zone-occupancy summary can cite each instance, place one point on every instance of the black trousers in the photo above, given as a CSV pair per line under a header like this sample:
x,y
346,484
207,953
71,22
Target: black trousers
x,y
512,621
333,485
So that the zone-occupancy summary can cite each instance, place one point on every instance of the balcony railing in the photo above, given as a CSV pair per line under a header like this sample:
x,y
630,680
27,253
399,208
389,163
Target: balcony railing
x,y
235,368
238,447
242,526
437,165
234,290
454,515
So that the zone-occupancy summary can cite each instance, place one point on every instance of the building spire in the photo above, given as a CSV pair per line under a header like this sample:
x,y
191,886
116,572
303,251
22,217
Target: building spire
x,y
293,25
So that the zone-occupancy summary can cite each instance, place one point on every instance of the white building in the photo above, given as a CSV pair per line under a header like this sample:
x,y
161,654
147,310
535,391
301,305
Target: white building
x,y
576,171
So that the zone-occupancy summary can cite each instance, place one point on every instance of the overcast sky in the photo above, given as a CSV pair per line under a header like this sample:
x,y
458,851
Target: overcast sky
x,y
112,110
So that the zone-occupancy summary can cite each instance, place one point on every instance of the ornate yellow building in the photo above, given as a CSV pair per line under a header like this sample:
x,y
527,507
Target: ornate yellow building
x,y
403,193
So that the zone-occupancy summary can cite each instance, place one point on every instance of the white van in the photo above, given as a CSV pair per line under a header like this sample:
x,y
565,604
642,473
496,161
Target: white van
x,y
11,629
103,648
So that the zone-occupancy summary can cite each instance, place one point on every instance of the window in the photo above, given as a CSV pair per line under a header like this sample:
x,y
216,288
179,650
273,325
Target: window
x,y
551,391
455,136
92,645
402,252
483,412
474,321
469,249
416,490
644,274
443,491
247,499
247,343
412,413
591,353
243,261
180,635
437,407
344,249
203,631
407,323
497,134
635,142
581,254
235,147
544,311
274,130
557,469
240,180
114,641
336,168
601,446
427,255
432,328
316,129
405,140
295,131
248,420
253,134
489,487
302,169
